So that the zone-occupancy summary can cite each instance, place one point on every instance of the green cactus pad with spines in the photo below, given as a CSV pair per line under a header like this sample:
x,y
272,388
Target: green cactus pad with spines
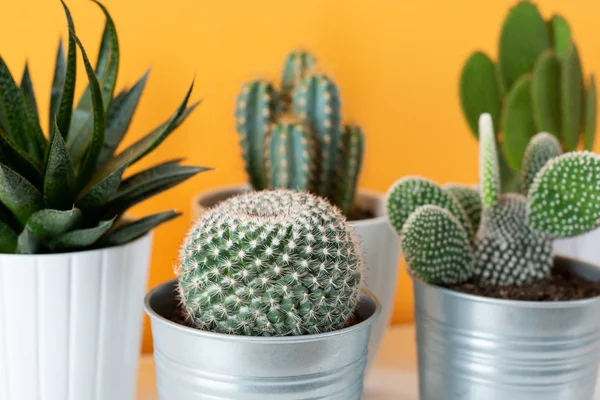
x,y
290,158
564,197
410,193
508,251
436,247
523,38
469,199
542,148
298,66
545,93
560,34
517,122
572,98
590,114
349,166
489,173
316,101
255,111
270,263
479,92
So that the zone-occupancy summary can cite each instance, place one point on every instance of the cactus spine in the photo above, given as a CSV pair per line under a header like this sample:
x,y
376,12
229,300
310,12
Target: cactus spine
x,y
537,85
270,263
312,101
513,244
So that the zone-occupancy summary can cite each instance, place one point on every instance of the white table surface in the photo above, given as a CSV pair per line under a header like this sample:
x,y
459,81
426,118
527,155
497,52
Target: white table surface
x,y
393,377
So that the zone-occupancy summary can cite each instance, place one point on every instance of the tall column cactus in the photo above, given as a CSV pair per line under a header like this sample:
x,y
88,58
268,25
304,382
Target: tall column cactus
x,y
312,100
513,244
537,85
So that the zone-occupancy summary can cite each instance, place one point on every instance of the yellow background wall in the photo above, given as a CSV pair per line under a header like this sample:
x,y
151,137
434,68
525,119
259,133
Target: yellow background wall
x,y
397,64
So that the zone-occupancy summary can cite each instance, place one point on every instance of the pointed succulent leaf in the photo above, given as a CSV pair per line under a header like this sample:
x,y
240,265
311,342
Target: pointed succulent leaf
x,y
523,38
67,76
410,193
349,166
58,82
542,148
18,194
560,34
107,65
88,166
118,118
100,193
133,230
145,145
34,129
436,247
48,224
506,240
590,114
59,178
298,65
79,238
517,122
489,173
469,199
28,93
14,156
563,200
545,93
8,238
255,111
572,98
479,92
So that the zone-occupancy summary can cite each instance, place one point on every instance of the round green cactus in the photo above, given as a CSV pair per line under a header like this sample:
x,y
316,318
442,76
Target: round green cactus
x,y
542,148
564,197
469,199
270,263
436,247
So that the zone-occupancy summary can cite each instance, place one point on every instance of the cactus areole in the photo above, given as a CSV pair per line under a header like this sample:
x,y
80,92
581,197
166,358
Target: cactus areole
x,y
455,233
270,263
294,137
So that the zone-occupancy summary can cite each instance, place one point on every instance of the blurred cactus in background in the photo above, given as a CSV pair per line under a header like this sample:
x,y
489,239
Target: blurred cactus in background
x,y
536,85
293,138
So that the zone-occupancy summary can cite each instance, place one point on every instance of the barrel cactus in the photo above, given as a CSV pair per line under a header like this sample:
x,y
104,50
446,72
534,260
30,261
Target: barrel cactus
x,y
270,263
308,106
536,85
64,190
510,242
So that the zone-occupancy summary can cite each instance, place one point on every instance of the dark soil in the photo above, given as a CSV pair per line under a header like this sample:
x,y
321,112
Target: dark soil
x,y
359,214
561,286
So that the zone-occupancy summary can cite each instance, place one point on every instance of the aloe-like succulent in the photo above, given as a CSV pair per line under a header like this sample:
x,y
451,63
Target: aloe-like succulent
x,y
270,263
65,191
308,103
536,85
510,242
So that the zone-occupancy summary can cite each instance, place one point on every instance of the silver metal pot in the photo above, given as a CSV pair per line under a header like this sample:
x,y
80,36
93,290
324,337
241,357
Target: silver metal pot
x,y
196,365
476,348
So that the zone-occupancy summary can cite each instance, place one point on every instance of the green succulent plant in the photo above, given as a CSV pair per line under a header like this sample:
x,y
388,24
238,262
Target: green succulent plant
x,y
318,153
270,263
536,85
65,191
510,241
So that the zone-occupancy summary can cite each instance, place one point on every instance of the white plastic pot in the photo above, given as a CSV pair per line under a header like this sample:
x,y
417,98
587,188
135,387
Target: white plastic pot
x,y
71,323
379,243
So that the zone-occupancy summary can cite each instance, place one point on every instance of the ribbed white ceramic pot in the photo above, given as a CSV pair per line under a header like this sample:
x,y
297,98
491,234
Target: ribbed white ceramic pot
x,y
71,323
379,243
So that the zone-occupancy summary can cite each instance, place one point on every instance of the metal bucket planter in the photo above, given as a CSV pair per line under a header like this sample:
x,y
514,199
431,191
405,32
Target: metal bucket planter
x,y
476,348
379,243
198,365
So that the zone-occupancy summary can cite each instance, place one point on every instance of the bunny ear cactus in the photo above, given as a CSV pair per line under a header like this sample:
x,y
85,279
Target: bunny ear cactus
x,y
270,263
312,101
513,243
64,191
537,85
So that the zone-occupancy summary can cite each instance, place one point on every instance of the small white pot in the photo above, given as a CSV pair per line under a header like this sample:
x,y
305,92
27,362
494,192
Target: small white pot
x,y
585,247
71,323
379,243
